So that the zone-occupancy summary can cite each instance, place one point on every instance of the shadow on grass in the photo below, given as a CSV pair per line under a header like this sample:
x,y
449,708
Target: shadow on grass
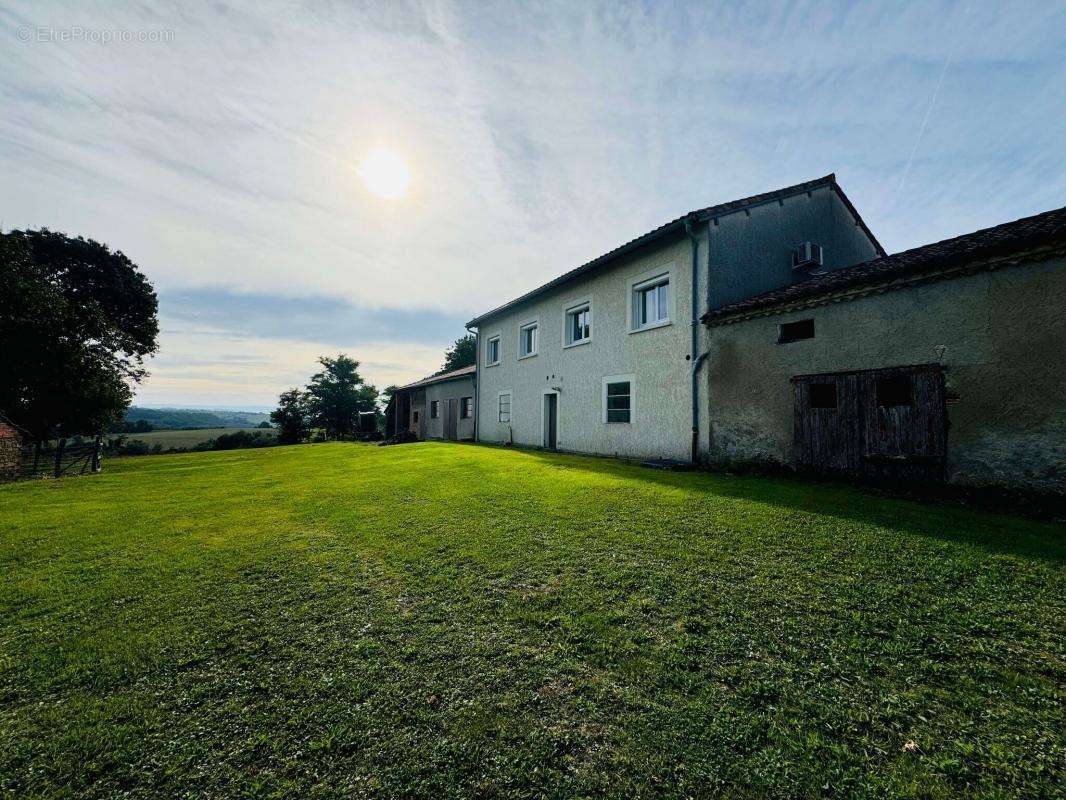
x,y
949,522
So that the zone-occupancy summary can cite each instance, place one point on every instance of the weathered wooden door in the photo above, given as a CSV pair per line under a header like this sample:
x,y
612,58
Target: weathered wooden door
x,y
876,423
450,417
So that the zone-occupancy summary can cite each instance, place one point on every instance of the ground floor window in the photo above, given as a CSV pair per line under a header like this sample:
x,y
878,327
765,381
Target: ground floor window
x,y
505,408
466,407
618,399
434,409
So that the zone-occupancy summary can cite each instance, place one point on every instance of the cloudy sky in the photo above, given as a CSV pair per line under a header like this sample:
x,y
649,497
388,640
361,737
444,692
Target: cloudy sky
x,y
227,153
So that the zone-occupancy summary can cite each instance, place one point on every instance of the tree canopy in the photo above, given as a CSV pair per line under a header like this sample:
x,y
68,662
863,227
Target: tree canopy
x,y
332,401
461,354
76,323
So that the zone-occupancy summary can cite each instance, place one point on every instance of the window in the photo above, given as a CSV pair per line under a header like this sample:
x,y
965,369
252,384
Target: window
x,y
416,417
492,351
618,401
527,340
505,408
894,390
651,302
434,409
794,331
466,407
823,395
578,324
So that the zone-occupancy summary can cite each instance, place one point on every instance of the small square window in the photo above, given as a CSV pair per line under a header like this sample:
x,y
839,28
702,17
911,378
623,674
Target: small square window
x,y
823,395
894,390
492,351
578,324
618,398
795,331
434,409
505,408
466,407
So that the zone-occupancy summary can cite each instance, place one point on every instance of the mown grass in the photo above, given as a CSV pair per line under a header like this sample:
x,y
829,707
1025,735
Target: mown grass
x,y
441,620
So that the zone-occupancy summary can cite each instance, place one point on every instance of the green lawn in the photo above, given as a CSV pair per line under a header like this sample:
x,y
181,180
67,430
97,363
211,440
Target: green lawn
x,y
439,620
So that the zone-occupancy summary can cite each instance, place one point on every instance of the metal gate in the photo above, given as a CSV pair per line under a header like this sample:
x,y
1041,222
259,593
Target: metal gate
x,y
888,423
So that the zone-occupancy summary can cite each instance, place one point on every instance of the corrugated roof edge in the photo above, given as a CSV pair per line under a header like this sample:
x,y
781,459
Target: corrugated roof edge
x,y
719,210
1048,228
447,376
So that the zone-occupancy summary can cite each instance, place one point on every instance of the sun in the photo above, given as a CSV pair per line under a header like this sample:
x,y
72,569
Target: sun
x,y
385,173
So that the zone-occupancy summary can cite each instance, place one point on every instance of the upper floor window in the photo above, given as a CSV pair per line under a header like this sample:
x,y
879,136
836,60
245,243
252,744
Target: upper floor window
x,y
578,324
527,340
492,351
651,302
434,409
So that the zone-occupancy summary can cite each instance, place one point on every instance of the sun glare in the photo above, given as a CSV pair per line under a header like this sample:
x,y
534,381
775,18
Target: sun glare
x,y
385,173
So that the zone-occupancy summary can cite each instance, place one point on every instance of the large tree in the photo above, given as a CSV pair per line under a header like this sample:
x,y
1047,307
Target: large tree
x,y
76,323
461,354
337,394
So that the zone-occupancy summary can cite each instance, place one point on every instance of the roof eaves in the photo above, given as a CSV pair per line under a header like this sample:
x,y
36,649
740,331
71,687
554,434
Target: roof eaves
x,y
710,212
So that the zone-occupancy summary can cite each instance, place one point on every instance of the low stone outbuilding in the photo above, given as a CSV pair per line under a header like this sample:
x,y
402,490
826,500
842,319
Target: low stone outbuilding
x,y
437,407
11,441
943,362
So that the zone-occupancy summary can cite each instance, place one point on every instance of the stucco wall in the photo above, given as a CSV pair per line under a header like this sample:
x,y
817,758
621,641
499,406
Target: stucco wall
x,y
752,255
748,253
448,390
1000,335
656,359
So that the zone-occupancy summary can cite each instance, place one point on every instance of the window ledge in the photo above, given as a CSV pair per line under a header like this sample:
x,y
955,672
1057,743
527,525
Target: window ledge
x,y
493,364
578,343
652,326
527,355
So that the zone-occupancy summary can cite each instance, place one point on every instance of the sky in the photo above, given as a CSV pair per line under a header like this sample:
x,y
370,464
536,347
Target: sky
x,y
225,148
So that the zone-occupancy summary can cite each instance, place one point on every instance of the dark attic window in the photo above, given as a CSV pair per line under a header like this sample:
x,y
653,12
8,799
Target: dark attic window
x,y
894,390
794,331
823,395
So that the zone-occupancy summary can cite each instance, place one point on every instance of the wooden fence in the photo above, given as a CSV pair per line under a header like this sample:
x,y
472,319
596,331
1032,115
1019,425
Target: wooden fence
x,y
55,459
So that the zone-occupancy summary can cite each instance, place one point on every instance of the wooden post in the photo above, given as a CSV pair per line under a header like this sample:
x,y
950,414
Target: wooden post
x,y
96,453
59,457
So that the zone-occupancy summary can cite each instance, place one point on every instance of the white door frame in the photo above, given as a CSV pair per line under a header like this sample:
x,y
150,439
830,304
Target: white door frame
x,y
544,417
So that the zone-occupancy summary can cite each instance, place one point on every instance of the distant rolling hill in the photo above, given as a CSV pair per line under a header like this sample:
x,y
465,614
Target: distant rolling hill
x,y
188,418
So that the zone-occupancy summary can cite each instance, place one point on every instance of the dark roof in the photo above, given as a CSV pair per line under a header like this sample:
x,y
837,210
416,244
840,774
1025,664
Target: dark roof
x,y
454,375
1002,240
678,225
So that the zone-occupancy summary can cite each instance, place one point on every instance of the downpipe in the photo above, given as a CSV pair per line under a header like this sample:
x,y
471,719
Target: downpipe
x,y
477,383
694,239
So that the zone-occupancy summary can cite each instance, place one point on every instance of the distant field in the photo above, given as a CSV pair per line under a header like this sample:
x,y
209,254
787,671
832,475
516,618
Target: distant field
x,y
189,438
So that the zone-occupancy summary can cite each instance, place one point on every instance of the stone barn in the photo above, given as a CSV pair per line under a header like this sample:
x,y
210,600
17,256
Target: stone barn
x,y
11,440
944,362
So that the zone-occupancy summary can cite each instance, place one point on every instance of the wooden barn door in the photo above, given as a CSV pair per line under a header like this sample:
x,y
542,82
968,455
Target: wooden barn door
x,y
875,423
450,420
906,422
828,423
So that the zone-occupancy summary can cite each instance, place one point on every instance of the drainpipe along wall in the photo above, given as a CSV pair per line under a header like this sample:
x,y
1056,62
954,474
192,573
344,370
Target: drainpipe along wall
x,y
477,366
694,238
